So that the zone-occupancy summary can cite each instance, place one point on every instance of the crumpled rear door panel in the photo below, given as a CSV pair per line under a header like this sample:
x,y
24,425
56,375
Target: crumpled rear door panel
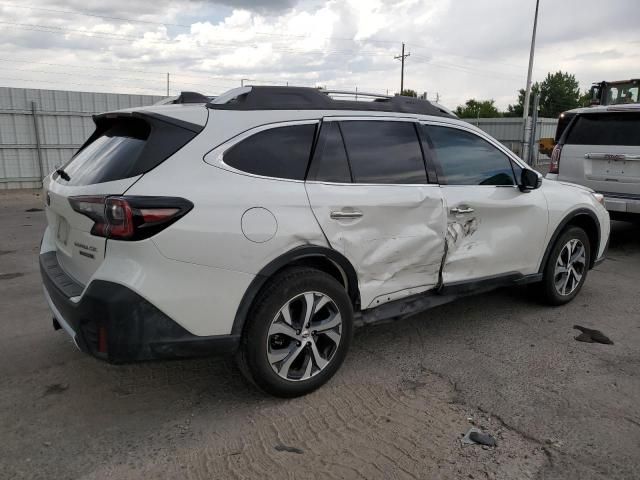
x,y
396,246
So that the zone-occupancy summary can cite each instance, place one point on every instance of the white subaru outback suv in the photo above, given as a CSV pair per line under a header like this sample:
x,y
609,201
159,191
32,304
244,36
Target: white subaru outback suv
x,y
600,149
271,221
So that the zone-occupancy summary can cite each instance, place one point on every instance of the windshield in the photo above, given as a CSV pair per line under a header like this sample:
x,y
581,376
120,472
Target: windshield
x,y
621,93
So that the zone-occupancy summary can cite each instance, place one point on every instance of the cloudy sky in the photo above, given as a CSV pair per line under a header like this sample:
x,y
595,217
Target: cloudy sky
x,y
459,48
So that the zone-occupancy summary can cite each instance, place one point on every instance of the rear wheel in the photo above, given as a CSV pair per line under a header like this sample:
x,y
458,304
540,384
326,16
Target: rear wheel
x,y
297,334
567,267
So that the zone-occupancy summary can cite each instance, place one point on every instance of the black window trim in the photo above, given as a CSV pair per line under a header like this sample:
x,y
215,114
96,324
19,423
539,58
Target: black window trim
x,y
316,146
382,118
438,166
218,157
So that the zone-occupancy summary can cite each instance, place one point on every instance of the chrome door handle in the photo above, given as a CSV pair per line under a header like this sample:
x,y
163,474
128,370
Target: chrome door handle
x,y
339,215
459,210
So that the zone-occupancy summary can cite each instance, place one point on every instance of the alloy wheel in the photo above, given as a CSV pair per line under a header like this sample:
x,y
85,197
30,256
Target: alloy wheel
x,y
570,267
304,336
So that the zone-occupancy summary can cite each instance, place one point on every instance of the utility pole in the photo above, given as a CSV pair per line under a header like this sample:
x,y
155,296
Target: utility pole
x,y
527,96
533,159
401,58
167,84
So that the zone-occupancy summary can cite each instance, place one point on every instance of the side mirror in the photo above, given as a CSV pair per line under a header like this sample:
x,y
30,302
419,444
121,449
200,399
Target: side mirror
x,y
530,180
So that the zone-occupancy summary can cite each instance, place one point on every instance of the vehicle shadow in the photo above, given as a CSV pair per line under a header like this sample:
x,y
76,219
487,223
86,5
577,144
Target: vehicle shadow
x,y
625,237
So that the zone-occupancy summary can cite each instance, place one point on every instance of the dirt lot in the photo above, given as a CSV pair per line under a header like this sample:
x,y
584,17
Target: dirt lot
x,y
559,409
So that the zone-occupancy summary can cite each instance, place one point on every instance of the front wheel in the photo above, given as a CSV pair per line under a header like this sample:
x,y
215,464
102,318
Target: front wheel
x,y
297,334
567,267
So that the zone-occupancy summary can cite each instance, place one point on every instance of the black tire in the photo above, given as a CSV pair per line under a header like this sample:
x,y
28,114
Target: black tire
x,y
287,288
549,289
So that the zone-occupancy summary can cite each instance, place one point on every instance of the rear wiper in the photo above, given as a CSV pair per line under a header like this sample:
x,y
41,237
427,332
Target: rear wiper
x,y
64,175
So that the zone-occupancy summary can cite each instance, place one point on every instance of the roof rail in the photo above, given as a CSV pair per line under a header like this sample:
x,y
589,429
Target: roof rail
x,y
307,98
355,93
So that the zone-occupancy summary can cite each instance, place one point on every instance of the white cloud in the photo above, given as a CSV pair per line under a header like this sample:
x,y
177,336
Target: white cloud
x,y
459,49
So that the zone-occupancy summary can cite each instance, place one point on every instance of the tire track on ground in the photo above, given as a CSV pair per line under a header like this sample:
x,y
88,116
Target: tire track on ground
x,y
407,429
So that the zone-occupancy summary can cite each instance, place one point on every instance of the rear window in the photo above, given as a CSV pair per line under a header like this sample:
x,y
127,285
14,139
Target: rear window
x,y
111,156
124,147
281,152
605,129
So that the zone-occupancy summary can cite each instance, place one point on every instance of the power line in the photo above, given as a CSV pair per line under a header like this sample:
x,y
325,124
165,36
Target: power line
x,y
282,35
74,83
87,14
463,68
148,22
233,81
127,38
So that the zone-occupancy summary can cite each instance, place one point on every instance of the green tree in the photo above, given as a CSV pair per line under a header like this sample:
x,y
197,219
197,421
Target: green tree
x,y
478,108
558,92
407,92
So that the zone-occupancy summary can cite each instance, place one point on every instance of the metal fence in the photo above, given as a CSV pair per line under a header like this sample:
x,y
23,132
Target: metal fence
x,y
509,132
40,129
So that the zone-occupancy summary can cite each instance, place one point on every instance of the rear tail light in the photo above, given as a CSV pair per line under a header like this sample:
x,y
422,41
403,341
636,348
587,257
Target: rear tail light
x,y
130,218
554,166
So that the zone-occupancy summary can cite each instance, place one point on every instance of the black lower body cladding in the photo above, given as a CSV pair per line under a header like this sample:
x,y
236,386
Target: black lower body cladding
x,y
113,323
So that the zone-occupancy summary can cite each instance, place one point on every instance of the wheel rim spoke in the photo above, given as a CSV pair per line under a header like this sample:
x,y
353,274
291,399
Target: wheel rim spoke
x,y
283,329
333,336
286,314
320,361
307,371
286,365
309,302
304,336
329,324
276,356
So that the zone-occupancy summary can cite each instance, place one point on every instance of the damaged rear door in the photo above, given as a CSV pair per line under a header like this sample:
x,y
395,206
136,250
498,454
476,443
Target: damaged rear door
x,y
493,228
368,188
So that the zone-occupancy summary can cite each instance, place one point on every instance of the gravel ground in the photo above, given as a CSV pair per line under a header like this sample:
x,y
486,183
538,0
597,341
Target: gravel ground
x,y
398,408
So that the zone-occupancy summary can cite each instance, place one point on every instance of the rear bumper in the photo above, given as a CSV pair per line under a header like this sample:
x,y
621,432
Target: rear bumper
x,y
622,203
113,323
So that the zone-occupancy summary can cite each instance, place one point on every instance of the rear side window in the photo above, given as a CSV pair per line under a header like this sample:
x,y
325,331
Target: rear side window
x,y
384,152
123,148
466,159
281,152
330,162
605,129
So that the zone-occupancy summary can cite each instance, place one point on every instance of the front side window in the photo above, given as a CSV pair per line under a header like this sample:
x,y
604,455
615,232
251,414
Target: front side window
x,y
467,159
384,152
281,152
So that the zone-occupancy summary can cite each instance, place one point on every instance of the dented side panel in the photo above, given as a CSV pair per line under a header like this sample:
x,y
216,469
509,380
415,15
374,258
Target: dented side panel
x,y
396,245
504,232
